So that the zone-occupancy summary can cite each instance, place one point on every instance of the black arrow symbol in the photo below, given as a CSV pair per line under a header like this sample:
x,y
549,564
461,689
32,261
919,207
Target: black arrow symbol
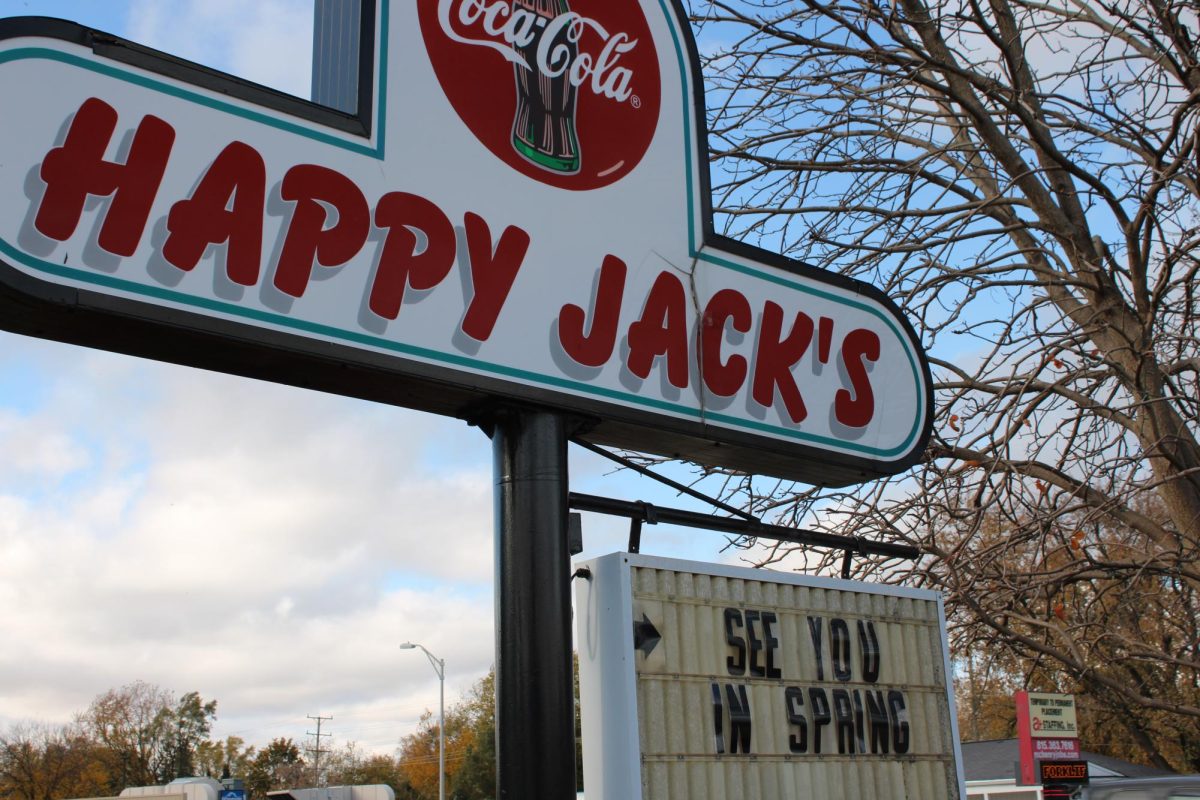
x,y
645,636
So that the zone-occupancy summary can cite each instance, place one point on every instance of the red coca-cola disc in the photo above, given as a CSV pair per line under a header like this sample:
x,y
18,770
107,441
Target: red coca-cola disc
x,y
566,92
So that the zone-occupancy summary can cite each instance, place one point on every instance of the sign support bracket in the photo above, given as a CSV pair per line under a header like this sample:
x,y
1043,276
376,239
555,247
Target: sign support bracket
x,y
682,488
535,720
639,512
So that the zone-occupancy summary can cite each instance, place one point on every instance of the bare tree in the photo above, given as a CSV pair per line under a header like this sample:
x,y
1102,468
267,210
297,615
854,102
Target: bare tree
x,y
41,762
1023,177
131,727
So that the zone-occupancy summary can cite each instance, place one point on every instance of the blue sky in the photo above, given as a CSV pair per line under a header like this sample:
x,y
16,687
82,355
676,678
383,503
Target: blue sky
x,y
266,546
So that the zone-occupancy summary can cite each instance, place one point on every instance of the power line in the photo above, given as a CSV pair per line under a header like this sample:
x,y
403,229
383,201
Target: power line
x,y
316,751
408,714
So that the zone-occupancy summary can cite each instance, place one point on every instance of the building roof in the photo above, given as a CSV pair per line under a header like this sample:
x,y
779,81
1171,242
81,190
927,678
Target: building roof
x,y
996,761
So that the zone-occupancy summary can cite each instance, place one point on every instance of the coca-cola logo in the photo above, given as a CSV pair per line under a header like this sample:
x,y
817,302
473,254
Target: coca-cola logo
x,y
567,92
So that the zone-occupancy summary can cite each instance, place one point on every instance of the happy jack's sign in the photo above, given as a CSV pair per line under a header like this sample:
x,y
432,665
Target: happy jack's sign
x,y
519,211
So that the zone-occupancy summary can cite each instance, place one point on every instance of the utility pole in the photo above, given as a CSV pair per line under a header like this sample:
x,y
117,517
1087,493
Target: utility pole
x,y
316,751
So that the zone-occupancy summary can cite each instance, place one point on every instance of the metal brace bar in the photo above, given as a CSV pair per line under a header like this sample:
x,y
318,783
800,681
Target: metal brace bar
x,y
645,512
679,487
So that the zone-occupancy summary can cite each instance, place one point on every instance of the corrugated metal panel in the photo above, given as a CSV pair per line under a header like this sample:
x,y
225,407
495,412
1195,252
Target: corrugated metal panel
x,y
337,28
678,718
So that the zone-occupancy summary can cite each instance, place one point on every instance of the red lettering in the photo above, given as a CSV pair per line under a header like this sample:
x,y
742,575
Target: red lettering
x,y
856,411
824,339
77,170
308,241
239,175
492,273
596,347
727,305
400,266
662,331
775,358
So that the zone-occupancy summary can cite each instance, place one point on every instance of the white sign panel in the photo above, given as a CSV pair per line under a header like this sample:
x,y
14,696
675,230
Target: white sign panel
x,y
701,681
521,212
1052,716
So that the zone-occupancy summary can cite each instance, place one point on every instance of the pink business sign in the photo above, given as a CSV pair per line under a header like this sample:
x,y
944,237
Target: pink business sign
x,y
1056,749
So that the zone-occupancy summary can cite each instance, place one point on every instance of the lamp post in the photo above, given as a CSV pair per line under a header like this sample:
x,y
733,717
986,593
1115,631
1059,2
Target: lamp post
x,y
439,666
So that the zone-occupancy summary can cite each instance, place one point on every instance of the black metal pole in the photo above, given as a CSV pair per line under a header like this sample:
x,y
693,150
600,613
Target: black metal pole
x,y
535,722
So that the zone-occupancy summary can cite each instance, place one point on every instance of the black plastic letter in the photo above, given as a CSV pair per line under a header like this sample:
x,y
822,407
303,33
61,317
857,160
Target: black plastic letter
x,y
818,701
798,741
868,642
899,717
814,630
736,666
839,649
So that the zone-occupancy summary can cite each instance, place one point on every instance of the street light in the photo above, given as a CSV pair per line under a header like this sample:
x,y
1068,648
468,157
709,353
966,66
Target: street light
x,y
439,666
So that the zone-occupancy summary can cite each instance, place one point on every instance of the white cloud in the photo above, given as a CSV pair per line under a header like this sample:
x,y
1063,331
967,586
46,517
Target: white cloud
x,y
266,546
37,453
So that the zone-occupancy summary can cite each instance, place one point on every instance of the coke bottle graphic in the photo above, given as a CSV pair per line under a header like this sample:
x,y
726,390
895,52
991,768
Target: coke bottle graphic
x,y
544,124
